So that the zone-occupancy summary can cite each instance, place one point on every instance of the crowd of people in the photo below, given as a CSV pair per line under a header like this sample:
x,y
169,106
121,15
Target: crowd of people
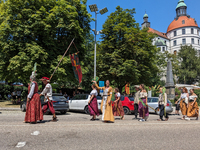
x,y
109,108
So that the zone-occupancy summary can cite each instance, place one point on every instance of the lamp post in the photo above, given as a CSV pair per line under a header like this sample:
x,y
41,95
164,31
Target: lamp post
x,y
93,8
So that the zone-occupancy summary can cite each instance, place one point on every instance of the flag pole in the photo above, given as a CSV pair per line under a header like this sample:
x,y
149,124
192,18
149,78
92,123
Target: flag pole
x,y
62,58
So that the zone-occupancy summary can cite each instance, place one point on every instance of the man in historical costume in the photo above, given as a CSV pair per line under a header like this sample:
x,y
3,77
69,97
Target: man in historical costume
x,y
47,92
162,102
33,106
136,100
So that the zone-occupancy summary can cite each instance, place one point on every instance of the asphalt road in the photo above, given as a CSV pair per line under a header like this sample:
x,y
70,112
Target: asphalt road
x,y
74,131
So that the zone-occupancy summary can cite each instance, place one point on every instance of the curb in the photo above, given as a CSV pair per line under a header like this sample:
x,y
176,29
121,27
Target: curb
x,y
10,109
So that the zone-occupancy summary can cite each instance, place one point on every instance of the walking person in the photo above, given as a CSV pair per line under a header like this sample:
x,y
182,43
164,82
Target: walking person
x,y
14,93
106,106
92,103
118,108
33,106
162,102
47,92
136,100
192,107
177,104
143,106
183,102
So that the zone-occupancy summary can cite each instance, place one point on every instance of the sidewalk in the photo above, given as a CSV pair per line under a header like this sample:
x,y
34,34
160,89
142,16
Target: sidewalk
x,y
9,109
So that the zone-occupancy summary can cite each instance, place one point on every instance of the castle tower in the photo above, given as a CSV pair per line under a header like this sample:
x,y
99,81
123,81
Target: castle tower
x,y
145,24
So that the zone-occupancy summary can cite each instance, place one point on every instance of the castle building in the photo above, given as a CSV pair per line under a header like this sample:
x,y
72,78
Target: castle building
x,y
183,30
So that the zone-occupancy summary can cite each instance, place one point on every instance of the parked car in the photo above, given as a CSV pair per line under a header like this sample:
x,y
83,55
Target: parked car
x,y
80,102
128,104
153,102
60,103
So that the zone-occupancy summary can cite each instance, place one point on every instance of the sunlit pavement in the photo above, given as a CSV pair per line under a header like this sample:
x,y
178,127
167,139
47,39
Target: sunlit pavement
x,y
76,131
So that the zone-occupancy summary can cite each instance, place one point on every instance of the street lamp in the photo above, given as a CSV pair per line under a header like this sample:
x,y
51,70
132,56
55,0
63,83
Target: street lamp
x,y
93,8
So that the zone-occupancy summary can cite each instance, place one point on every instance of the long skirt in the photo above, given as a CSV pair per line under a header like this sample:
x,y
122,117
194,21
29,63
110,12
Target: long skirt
x,y
142,109
34,109
183,107
107,114
93,107
118,109
193,110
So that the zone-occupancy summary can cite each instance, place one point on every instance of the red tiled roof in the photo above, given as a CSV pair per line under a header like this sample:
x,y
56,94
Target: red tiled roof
x,y
175,24
161,34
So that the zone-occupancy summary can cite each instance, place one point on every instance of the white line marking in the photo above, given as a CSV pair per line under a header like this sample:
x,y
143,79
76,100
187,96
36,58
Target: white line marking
x,y
35,133
21,144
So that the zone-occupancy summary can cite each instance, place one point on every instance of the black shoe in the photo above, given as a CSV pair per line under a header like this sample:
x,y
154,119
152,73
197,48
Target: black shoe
x,y
92,119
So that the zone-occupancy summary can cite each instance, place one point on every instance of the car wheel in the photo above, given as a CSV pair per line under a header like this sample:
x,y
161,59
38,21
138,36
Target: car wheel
x,y
63,112
23,108
86,110
157,111
126,110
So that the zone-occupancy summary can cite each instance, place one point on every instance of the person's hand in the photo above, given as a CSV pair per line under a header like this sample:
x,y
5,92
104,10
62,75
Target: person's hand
x,y
176,102
109,102
88,102
192,104
94,82
28,99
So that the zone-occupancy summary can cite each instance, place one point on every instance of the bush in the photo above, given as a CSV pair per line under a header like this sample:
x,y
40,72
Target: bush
x,y
197,92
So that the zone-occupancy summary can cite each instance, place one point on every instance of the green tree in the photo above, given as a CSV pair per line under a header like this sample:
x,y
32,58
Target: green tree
x,y
189,71
40,31
127,53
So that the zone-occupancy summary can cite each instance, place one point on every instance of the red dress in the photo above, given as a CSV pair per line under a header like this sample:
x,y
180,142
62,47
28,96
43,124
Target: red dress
x,y
33,107
118,108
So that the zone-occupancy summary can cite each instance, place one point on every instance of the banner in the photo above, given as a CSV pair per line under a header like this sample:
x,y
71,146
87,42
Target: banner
x,y
101,84
127,88
76,67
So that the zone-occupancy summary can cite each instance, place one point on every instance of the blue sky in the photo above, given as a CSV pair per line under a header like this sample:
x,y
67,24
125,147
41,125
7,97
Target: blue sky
x,y
161,12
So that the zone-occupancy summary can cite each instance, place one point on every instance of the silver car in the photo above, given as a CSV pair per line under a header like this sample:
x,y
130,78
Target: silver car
x,y
153,102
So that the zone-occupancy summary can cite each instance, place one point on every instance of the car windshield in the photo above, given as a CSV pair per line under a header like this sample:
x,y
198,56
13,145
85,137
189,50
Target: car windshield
x,y
131,98
59,98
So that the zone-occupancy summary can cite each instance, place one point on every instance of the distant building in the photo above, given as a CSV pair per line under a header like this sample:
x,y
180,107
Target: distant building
x,y
183,30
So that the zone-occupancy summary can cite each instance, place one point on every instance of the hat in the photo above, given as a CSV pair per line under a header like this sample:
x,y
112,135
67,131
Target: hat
x,y
136,86
45,78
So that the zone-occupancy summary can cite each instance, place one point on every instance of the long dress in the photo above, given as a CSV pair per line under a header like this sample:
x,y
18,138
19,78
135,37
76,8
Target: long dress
x,y
118,108
183,104
141,108
193,110
106,109
33,107
93,106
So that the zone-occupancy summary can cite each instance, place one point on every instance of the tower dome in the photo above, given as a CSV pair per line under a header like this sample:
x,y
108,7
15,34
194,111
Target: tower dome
x,y
145,15
181,3
181,9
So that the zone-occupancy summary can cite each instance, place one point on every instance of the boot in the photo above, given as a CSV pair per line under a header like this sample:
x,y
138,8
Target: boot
x,y
54,119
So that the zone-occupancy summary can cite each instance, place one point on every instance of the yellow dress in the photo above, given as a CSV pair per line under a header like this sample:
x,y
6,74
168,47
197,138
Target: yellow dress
x,y
106,109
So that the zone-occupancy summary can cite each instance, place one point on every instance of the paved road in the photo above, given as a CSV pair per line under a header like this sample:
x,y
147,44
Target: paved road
x,y
74,131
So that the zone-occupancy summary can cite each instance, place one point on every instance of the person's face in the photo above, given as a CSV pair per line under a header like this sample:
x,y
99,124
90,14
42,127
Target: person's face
x,y
140,87
115,91
160,90
191,91
107,83
183,90
137,89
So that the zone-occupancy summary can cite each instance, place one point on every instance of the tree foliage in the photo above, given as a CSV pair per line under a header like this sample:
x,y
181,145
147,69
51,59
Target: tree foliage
x,y
127,53
40,31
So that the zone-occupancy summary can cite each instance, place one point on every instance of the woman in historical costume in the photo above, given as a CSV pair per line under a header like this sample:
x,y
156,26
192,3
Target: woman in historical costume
x,y
33,106
118,108
106,106
143,107
183,102
192,107
92,104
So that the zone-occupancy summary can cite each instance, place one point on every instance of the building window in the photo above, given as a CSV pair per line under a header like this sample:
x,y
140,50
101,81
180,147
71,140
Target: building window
x,y
174,42
198,41
183,31
192,31
183,41
163,49
197,32
174,33
192,40
183,21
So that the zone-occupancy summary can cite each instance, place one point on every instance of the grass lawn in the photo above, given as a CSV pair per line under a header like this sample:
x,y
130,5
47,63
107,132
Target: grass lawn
x,y
8,104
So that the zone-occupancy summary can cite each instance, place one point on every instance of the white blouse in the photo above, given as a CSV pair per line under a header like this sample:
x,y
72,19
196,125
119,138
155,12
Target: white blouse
x,y
183,95
94,92
32,89
118,94
143,94
192,97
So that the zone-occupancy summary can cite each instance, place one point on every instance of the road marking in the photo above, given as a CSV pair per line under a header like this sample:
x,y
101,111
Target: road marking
x,y
21,144
105,124
35,133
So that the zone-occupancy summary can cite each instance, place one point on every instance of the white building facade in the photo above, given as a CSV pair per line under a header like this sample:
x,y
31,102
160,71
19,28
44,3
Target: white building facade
x,y
183,30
